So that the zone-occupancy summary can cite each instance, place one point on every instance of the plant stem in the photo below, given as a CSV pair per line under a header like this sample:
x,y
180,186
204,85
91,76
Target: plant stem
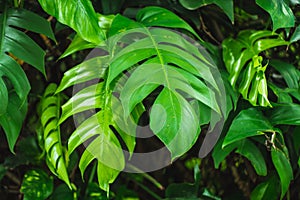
x,y
148,177
147,190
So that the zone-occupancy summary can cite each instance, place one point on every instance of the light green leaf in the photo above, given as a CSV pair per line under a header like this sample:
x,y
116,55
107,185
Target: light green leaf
x,y
36,185
79,15
226,6
246,124
174,122
243,61
281,14
93,68
50,112
284,169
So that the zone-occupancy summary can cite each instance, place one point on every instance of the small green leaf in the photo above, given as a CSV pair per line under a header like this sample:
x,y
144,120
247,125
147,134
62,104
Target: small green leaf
x,y
36,185
247,123
283,168
281,14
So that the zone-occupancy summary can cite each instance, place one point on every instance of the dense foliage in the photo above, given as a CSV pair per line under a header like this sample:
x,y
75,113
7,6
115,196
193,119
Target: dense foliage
x,y
213,83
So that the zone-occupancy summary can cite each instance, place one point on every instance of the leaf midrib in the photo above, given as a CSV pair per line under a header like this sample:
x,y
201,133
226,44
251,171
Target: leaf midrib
x,y
163,68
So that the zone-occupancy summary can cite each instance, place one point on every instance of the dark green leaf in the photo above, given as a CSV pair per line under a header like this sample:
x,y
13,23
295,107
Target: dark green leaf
x,y
289,72
285,114
12,120
62,192
247,123
267,190
249,150
226,6
36,185
284,169
281,14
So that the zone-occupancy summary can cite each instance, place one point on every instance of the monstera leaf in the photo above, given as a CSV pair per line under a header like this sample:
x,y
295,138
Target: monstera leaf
x,y
245,65
137,63
13,80
50,113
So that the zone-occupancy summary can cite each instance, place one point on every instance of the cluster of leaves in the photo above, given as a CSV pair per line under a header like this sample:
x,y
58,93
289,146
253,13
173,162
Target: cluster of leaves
x,y
147,61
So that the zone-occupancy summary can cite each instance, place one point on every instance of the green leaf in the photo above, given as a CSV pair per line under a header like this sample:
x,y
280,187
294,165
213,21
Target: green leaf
x,y
220,153
289,72
226,6
266,190
112,6
170,60
36,185
79,15
283,168
296,35
13,81
62,192
77,44
174,122
285,114
249,150
281,14
50,113
157,16
12,120
243,62
247,123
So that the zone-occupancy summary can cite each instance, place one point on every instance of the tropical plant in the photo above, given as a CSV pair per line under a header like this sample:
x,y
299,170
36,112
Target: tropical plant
x,y
226,69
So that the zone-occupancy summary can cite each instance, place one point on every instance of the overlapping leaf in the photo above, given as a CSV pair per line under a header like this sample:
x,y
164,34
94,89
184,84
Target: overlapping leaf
x,y
137,61
15,42
245,65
